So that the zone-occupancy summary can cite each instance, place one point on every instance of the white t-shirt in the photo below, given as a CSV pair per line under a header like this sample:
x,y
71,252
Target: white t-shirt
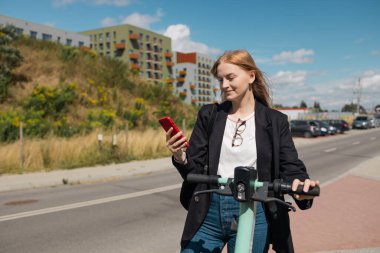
x,y
239,155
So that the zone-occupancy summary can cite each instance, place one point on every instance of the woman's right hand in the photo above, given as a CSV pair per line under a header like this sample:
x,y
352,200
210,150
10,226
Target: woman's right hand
x,y
176,145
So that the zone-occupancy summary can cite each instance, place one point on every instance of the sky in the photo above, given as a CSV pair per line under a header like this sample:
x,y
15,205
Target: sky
x,y
325,51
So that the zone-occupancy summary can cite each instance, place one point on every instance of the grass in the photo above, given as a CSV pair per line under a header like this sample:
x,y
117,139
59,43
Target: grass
x,y
61,153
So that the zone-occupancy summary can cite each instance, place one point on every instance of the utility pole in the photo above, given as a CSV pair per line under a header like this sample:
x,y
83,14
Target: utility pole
x,y
359,95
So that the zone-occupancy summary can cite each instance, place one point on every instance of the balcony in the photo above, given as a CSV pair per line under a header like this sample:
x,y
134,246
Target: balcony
x,y
194,100
192,86
180,79
168,55
119,46
169,64
182,94
133,36
216,89
169,81
134,56
182,72
135,66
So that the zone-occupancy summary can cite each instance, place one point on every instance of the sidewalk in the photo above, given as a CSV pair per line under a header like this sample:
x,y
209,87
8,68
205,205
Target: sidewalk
x,y
345,218
83,175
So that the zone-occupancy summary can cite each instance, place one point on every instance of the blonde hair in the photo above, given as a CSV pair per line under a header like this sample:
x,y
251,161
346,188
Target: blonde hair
x,y
245,61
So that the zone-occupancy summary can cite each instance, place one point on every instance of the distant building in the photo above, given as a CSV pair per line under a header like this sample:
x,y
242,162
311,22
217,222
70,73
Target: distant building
x,y
46,33
193,81
293,113
146,52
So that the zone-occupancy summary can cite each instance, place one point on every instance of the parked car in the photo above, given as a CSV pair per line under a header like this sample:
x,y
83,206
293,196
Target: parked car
x,y
305,128
361,122
340,125
326,129
372,123
377,119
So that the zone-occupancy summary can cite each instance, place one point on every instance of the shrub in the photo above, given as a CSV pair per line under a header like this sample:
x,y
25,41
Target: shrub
x,y
68,53
51,101
9,126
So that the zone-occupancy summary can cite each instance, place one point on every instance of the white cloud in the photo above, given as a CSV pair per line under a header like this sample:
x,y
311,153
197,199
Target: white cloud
x,y
181,40
142,20
360,40
289,78
137,19
108,22
375,52
333,94
370,80
112,2
59,3
300,56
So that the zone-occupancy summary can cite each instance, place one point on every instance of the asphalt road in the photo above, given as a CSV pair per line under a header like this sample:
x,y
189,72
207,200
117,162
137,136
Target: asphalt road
x,y
124,216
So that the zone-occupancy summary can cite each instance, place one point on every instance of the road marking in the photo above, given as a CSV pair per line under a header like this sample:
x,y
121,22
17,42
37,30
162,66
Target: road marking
x,y
88,203
356,143
330,150
373,138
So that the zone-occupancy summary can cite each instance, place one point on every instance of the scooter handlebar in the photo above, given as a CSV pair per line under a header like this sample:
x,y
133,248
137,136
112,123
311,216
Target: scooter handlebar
x,y
203,179
282,187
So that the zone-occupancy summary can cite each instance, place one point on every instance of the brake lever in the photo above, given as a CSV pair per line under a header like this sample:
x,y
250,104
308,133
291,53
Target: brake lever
x,y
261,195
226,191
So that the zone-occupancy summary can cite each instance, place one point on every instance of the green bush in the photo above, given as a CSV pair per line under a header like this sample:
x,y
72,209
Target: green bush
x,y
51,101
36,125
68,53
9,126
10,58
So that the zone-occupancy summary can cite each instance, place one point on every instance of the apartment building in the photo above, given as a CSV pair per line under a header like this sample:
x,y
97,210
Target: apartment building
x,y
193,80
148,53
47,33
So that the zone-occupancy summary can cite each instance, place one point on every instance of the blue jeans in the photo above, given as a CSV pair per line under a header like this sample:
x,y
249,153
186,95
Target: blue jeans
x,y
216,231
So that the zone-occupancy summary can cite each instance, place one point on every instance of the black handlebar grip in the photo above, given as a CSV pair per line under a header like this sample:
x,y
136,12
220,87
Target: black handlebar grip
x,y
313,191
281,187
203,179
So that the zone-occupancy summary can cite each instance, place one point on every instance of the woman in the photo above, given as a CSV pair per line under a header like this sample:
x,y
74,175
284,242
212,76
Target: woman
x,y
245,132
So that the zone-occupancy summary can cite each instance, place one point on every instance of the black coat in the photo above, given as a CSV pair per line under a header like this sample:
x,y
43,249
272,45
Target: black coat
x,y
276,158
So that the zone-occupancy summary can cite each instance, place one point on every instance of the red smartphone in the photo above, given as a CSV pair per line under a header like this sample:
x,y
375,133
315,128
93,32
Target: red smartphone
x,y
167,123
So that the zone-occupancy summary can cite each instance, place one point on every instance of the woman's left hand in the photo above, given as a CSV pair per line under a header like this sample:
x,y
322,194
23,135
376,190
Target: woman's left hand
x,y
306,186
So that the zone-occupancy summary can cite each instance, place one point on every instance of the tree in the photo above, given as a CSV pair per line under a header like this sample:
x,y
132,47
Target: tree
x,y
377,108
277,106
303,104
353,108
10,58
317,107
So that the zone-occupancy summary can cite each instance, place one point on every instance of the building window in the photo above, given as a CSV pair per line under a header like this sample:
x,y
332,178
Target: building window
x,y
141,36
107,36
46,37
95,37
59,39
69,42
81,43
108,45
114,35
100,37
19,31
